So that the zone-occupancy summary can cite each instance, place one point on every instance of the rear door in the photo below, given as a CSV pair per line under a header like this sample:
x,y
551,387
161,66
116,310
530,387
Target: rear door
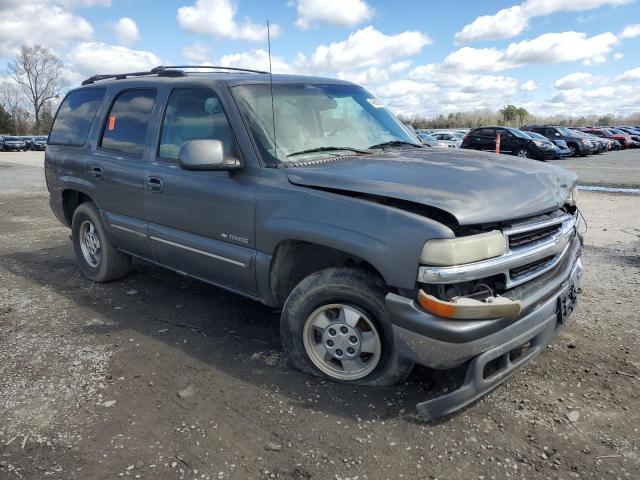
x,y
488,139
117,168
508,141
201,222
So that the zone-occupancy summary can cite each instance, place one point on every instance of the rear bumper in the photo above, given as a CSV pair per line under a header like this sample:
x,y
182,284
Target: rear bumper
x,y
440,343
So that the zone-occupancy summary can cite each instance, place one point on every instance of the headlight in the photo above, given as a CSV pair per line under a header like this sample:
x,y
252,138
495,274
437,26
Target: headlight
x,y
573,198
458,251
539,143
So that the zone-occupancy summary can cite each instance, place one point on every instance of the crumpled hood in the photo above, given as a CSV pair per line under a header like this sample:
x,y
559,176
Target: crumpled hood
x,y
475,187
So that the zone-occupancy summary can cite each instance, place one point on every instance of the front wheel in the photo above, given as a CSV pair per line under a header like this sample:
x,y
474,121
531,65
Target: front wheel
x,y
335,325
523,153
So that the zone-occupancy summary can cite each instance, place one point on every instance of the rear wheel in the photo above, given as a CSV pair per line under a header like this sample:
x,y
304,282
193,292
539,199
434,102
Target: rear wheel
x,y
98,259
335,325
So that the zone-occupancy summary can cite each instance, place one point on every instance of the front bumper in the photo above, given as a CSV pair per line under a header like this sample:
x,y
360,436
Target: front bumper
x,y
441,343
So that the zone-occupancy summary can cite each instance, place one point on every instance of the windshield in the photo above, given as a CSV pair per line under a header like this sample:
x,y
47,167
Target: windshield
x,y
567,133
517,133
317,120
11,139
537,136
41,139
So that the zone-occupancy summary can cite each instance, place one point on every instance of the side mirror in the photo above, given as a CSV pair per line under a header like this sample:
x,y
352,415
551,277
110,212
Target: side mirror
x,y
206,155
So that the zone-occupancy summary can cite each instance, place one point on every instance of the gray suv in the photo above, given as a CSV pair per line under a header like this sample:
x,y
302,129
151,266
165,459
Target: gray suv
x,y
308,195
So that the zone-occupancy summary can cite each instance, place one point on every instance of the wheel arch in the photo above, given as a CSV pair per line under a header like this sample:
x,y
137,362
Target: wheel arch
x,y
294,260
71,199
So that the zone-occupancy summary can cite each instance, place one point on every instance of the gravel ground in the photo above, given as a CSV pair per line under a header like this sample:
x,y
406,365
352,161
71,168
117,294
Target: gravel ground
x,y
617,169
158,376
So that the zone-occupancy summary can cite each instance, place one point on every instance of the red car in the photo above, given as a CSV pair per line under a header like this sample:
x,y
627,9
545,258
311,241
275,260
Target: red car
x,y
624,139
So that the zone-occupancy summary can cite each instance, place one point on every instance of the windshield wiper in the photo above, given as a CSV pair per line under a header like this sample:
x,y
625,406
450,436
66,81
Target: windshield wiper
x,y
395,143
327,149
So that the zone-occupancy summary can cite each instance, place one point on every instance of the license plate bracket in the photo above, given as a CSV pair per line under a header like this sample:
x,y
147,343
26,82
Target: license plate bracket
x,y
567,303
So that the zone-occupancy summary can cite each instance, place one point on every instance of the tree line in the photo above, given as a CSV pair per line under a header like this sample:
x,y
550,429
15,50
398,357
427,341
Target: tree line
x,y
512,116
32,83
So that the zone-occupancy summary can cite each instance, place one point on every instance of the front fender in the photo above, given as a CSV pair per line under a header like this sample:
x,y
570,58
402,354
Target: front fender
x,y
389,238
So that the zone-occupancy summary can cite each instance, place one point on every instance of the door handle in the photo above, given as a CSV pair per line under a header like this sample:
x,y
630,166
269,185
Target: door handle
x,y
153,184
96,171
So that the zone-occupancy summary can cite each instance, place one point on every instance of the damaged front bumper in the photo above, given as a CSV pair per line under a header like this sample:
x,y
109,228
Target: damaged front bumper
x,y
495,349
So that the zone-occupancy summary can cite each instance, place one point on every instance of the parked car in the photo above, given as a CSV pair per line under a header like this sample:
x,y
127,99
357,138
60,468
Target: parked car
x,y
633,136
512,141
1,143
429,140
452,139
40,142
578,144
13,144
562,150
28,141
378,251
622,138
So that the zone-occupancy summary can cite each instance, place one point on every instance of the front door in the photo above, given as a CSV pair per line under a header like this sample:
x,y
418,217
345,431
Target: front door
x,y
200,222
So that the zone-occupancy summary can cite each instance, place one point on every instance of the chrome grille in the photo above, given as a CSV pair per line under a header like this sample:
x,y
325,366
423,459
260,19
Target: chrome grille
x,y
535,246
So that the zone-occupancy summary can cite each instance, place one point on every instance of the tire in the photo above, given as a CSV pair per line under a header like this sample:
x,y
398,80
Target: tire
x,y
98,259
523,152
574,149
352,293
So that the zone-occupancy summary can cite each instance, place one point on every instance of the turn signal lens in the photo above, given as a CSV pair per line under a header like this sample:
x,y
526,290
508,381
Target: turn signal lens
x,y
458,251
469,308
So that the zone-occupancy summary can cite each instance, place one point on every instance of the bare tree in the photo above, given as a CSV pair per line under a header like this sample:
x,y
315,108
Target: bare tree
x,y
11,101
39,73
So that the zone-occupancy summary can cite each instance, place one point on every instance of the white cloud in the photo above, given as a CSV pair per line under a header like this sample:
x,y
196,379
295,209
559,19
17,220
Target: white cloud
x,y
529,86
366,47
126,31
402,88
631,31
618,56
255,60
344,13
574,80
196,52
217,19
469,58
548,48
509,22
632,75
49,25
90,58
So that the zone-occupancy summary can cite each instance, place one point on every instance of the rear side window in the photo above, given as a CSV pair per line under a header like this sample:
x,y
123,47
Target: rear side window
x,y
126,127
487,132
75,117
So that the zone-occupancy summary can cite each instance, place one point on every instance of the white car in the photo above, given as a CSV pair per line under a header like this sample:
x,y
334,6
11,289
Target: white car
x,y
452,139
429,140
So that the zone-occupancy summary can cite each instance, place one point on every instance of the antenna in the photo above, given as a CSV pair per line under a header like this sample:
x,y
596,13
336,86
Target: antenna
x,y
273,110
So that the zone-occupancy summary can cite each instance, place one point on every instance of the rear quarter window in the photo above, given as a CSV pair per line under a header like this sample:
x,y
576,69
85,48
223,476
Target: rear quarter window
x,y
75,117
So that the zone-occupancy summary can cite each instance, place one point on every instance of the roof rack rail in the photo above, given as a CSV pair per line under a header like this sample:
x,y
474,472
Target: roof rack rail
x,y
162,68
120,76
164,71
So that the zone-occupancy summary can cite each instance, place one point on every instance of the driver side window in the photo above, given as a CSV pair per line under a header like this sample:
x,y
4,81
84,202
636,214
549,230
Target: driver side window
x,y
193,114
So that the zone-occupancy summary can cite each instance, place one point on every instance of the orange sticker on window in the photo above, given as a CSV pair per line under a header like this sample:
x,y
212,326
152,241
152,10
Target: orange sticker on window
x,y
112,122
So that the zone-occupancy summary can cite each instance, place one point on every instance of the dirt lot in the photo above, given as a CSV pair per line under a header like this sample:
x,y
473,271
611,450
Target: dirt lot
x,y
158,376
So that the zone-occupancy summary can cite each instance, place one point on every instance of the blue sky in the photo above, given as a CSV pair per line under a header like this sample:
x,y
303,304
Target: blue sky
x,y
421,58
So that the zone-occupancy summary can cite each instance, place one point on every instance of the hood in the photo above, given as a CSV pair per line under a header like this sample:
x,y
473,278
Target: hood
x,y
474,187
